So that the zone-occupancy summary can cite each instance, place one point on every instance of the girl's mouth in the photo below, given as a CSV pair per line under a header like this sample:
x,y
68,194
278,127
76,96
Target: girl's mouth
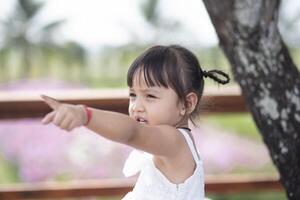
x,y
141,120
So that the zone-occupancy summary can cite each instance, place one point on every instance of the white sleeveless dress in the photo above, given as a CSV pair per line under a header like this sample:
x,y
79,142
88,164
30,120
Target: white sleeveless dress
x,y
153,185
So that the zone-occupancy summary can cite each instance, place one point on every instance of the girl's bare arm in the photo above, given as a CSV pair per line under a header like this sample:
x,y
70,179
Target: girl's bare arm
x,y
162,140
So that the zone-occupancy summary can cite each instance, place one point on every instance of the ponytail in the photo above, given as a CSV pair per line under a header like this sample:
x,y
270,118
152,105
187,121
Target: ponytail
x,y
213,74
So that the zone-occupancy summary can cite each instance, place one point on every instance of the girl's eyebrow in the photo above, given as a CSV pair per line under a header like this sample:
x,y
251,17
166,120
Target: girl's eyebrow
x,y
146,90
149,90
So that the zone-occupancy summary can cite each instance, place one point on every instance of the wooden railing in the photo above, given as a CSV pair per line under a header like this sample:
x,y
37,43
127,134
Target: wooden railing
x,y
25,104
119,187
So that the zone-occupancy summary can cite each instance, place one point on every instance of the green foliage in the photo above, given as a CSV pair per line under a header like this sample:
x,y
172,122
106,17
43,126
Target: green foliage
x,y
295,54
8,172
26,41
150,12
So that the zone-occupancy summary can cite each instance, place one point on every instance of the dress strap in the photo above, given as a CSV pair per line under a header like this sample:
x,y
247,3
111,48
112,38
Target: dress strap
x,y
190,143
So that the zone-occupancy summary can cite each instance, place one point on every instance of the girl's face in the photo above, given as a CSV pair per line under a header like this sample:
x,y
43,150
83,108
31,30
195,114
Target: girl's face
x,y
154,105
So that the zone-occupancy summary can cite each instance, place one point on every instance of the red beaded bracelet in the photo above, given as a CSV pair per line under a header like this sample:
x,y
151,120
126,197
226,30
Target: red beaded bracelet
x,y
89,114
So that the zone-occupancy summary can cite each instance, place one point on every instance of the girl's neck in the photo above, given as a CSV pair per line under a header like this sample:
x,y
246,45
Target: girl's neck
x,y
184,125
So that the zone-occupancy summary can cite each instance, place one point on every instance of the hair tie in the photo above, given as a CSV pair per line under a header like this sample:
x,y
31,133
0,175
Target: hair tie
x,y
205,73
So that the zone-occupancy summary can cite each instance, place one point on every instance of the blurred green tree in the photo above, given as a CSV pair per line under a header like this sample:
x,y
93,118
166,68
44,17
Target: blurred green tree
x,y
18,30
25,37
74,54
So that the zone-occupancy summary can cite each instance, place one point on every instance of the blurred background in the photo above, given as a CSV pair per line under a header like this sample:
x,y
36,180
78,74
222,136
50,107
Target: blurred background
x,y
88,44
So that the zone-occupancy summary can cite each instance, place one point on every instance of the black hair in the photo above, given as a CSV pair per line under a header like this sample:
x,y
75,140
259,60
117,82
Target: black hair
x,y
176,67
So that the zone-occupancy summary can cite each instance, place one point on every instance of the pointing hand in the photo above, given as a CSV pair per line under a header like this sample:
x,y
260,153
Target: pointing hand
x,y
65,116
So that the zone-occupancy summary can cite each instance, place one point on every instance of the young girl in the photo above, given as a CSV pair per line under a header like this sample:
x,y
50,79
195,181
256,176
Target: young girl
x,y
165,88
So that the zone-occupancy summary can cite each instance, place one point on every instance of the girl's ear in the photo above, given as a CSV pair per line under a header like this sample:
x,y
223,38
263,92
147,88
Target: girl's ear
x,y
192,100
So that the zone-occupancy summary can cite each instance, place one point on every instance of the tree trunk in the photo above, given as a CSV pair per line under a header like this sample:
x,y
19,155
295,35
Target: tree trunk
x,y
270,81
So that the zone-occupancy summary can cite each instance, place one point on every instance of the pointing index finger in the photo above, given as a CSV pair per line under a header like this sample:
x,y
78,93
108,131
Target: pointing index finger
x,y
53,103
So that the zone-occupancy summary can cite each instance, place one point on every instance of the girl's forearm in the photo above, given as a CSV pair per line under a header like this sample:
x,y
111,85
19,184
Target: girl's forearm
x,y
113,126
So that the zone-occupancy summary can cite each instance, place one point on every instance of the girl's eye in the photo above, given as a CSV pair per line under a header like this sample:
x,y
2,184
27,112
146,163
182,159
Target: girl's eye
x,y
132,95
151,96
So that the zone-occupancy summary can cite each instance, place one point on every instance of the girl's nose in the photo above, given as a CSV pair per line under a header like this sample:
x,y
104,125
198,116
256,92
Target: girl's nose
x,y
138,106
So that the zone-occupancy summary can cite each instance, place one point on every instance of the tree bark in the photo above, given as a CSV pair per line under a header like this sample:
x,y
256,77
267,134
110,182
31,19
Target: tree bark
x,y
269,80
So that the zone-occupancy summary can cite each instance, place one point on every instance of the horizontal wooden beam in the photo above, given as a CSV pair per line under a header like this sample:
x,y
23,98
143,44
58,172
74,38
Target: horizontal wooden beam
x,y
83,188
29,104
242,183
119,187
